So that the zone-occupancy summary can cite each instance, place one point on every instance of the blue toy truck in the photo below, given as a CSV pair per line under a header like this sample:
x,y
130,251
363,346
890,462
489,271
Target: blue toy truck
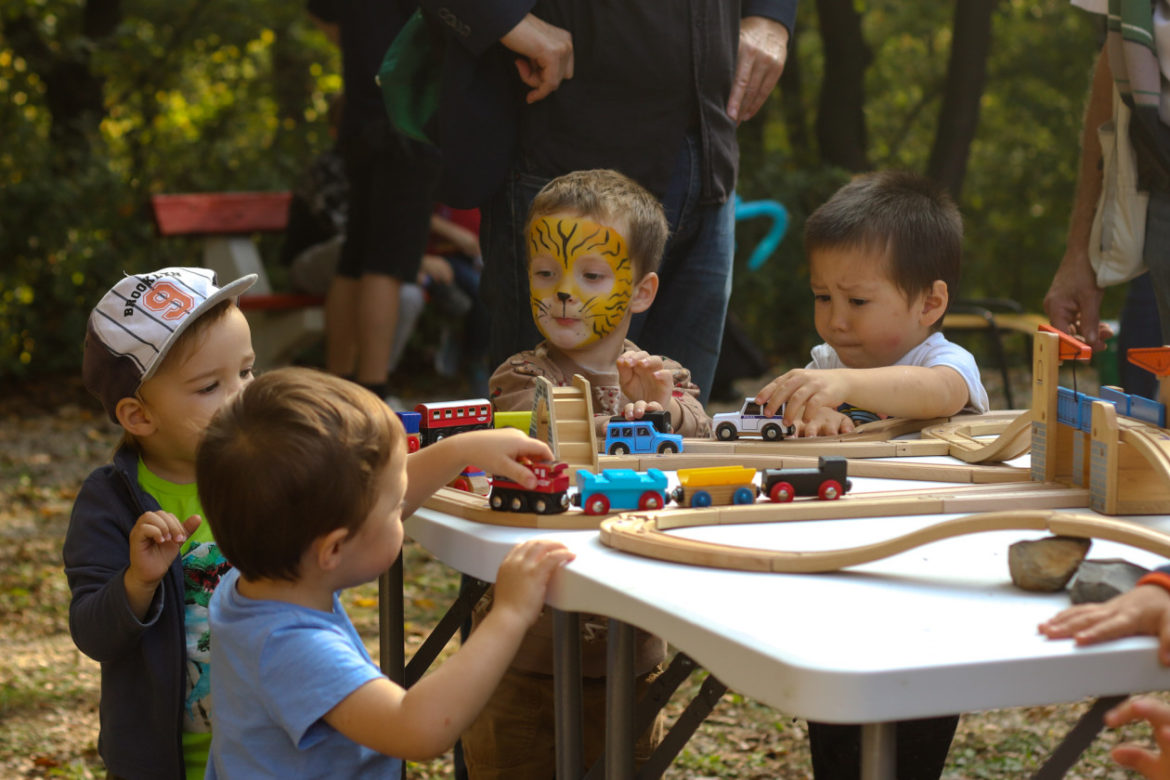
x,y
620,489
651,433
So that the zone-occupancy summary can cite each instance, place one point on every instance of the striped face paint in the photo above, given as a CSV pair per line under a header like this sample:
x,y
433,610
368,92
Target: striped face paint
x,y
580,277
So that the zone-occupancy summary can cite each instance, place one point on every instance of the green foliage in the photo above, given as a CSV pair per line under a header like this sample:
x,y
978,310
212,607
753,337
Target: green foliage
x,y
191,97
231,95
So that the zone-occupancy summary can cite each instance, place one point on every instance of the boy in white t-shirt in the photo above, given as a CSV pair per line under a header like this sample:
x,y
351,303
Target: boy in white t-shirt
x,y
883,257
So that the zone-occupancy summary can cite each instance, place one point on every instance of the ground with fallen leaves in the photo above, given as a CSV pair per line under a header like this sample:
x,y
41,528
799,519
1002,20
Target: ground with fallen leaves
x,y
52,435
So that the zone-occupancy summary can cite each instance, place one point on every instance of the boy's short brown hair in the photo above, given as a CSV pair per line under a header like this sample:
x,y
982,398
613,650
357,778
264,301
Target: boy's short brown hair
x,y
907,217
295,455
606,195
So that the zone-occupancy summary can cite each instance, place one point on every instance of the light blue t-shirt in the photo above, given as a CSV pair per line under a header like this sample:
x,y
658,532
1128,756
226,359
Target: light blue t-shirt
x,y
279,668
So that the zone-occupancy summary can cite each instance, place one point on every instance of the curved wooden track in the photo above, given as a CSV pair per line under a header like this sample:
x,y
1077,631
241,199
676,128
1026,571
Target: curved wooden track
x,y
641,534
1013,436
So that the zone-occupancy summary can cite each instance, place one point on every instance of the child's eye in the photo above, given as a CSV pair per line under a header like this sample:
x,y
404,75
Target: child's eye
x,y
208,389
593,276
858,301
821,298
246,373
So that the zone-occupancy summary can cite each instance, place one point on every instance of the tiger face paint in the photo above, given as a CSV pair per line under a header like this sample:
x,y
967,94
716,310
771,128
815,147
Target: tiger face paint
x,y
581,279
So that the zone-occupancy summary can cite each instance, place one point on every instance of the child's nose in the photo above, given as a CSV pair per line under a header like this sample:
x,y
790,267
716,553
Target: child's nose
x,y
563,296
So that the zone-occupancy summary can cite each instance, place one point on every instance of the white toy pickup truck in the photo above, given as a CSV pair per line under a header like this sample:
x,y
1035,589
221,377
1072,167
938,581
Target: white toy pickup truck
x,y
750,421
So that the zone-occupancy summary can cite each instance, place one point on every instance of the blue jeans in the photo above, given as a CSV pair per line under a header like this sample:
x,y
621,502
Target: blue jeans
x,y
686,321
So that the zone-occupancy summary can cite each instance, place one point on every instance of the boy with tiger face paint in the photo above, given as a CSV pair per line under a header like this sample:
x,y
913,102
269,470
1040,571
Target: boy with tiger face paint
x,y
594,241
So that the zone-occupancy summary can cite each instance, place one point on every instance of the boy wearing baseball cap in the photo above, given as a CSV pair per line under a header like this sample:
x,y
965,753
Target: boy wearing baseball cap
x,y
163,351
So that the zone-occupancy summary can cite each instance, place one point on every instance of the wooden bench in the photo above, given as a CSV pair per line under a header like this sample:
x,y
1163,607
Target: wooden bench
x,y
283,324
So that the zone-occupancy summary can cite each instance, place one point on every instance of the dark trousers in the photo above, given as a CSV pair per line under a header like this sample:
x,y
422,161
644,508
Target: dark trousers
x,y
922,747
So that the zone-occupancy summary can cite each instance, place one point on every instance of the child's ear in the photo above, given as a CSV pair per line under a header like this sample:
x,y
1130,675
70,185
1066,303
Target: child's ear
x,y
135,416
644,292
934,304
327,549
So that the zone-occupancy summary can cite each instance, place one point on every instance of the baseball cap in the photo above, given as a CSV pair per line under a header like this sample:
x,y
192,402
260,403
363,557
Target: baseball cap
x,y
136,323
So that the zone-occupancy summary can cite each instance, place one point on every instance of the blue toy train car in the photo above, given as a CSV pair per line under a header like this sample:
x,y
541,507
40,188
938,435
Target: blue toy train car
x,y
620,489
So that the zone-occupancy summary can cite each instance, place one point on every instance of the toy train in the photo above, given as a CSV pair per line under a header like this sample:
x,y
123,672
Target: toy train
x,y
447,418
615,489
410,424
551,494
827,481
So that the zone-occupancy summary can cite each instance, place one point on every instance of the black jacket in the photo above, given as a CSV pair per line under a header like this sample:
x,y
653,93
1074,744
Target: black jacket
x,y
143,662
644,73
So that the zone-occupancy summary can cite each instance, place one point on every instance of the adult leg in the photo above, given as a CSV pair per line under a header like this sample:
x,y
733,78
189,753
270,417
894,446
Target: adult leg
x,y
504,282
1157,255
922,747
1140,327
686,321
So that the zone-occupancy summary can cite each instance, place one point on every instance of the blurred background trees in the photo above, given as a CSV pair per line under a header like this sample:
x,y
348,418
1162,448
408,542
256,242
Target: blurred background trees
x,y
103,102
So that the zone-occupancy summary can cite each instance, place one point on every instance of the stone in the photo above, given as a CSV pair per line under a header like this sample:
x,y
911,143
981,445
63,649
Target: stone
x,y
1046,564
1103,578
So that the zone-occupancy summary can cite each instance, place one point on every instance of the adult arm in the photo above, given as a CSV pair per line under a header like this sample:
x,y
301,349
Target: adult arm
x,y
764,32
546,51
1073,302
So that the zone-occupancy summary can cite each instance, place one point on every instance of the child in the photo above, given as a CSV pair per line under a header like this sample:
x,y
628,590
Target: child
x,y
883,258
163,351
1154,765
305,478
594,240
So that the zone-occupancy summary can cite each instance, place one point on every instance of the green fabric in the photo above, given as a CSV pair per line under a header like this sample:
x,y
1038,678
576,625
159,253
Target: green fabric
x,y
182,501
409,78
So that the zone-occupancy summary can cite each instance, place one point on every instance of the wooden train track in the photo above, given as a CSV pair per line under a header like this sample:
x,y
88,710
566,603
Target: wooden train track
x,y
645,535
915,501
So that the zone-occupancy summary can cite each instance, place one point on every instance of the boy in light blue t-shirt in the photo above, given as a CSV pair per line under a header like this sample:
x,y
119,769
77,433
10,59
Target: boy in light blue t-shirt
x,y
305,478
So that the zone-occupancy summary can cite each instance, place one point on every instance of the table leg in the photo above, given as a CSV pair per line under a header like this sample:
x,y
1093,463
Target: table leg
x,y
619,702
391,626
878,751
567,694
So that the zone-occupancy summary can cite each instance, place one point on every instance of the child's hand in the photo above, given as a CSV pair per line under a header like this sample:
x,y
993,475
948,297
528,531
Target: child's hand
x,y
1145,610
636,410
497,451
804,391
825,422
523,578
154,542
1152,764
643,378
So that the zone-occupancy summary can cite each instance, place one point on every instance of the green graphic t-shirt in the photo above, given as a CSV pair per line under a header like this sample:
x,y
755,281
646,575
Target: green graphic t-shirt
x,y
203,565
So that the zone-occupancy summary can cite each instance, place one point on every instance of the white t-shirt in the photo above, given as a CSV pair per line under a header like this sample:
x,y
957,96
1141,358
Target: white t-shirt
x,y
934,351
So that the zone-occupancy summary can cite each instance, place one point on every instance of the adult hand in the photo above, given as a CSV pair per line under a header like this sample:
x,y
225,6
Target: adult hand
x,y
763,50
547,55
1073,302
1153,764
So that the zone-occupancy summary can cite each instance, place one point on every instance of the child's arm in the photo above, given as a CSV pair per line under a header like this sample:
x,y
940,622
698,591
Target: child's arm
x,y
915,392
1152,764
494,451
154,542
653,383
425,721
1145,610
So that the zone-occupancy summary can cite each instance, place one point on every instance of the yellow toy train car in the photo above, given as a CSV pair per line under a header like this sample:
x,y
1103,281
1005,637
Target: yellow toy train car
x,y
715,485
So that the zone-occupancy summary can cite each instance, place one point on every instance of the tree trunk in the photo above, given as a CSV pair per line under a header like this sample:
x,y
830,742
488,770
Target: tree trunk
x,y
841,114
792,104
966,75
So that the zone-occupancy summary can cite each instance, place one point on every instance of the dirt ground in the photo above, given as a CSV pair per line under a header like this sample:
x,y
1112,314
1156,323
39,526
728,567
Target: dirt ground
x,y
52,435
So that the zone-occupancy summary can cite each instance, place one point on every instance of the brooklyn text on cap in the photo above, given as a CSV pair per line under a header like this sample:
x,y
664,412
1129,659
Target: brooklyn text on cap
x,y
136,323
